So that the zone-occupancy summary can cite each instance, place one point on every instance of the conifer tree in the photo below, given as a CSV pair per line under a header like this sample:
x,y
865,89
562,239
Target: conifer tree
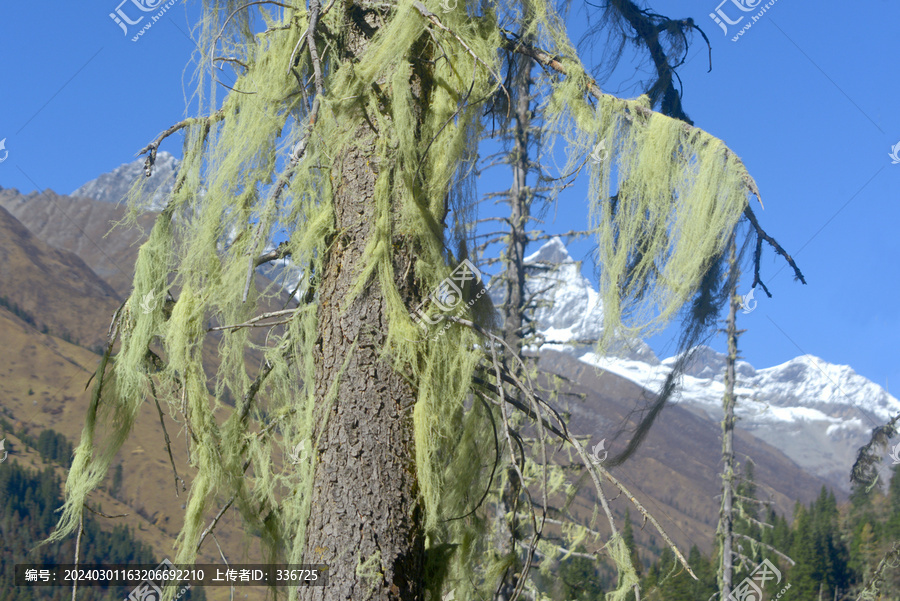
x,y
628,537
345,141
532,192
893,521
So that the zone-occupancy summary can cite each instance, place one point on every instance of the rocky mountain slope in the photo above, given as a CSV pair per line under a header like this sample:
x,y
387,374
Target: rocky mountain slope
x,y
675,474
113,187
817,413
84,227
51,289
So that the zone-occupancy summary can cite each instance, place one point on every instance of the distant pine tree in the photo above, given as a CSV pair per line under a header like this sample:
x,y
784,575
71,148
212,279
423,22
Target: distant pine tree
x,y
628,537
28,500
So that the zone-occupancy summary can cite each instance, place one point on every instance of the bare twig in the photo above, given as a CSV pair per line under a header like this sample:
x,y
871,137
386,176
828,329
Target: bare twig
x,y
279,252
648,516
100,513
222,555
572,553
757,522
168,442
762,235
154,145
254,322
749,500
769,547
215,521
239,9
434,19
77,552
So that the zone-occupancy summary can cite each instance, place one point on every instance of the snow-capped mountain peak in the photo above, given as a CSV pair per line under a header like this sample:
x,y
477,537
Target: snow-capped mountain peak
x,y
114,185
569,313
827,386
552,252
816,412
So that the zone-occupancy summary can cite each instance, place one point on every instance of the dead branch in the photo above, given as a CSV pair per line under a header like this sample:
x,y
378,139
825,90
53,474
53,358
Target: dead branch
x,y
154,145
100,513
168,442
254,322
769,547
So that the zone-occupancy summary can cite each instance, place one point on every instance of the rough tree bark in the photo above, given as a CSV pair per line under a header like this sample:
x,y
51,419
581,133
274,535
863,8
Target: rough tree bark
x,y
520,205
365,494
726,516
514,309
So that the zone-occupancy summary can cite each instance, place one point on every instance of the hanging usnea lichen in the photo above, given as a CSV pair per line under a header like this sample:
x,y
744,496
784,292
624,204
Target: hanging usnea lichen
x,y
258,173
679,197
664,199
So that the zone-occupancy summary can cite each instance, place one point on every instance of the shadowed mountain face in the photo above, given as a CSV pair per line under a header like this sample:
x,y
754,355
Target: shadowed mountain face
x,y
85,227
53,290
676,472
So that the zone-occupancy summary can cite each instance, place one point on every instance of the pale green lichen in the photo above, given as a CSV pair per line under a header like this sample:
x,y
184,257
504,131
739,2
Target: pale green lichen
x,y
678,200
370,571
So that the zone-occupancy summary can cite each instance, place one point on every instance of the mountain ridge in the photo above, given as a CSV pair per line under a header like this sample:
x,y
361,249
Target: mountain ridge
x,y
818,412
676,471
829,406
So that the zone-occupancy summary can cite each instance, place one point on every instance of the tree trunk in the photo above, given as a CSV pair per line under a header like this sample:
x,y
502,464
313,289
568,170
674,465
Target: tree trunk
x,y
514,310
366,520
726,517
520,205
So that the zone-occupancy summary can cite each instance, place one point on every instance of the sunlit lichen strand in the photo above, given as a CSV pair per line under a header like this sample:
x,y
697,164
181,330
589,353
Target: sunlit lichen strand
x,y
679,197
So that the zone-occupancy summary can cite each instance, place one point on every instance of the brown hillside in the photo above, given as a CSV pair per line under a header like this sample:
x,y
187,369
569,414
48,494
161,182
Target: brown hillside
x,y
54,288
42,385
82,226
675,473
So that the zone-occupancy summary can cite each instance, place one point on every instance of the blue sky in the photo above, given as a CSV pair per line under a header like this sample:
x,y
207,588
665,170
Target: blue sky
x,y
808,97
